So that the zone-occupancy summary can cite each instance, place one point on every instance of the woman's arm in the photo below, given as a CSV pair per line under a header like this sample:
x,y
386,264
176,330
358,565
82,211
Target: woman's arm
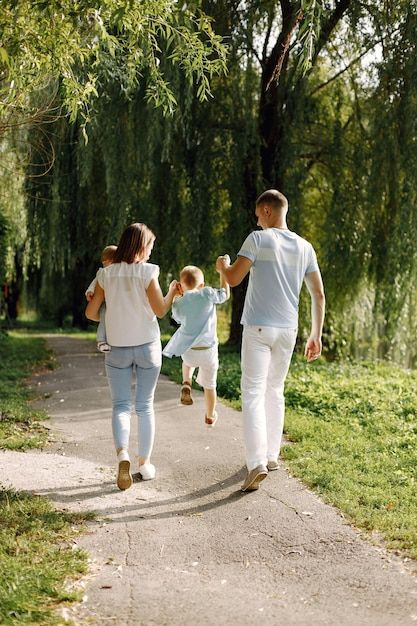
x,y
160,304
93,307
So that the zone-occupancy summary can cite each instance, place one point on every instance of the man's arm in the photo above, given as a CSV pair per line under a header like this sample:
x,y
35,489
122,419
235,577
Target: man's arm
x,y
233,274
315,287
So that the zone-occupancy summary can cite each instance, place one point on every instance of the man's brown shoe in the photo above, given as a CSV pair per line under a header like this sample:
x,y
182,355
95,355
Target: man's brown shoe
x,y
272,465
185,397
254,478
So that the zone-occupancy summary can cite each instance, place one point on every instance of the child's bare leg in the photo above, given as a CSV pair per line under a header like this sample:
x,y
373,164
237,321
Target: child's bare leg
x,y
210,397
187,373
187,380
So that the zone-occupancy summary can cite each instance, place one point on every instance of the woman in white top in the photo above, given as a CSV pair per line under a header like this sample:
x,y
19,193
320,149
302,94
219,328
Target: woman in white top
x,y
134,298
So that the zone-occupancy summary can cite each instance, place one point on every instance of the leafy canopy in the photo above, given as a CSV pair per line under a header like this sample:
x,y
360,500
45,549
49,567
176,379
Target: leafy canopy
x,y
77,46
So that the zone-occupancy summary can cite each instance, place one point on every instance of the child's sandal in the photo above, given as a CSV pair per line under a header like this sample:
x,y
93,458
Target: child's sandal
x,y
210,421
186,394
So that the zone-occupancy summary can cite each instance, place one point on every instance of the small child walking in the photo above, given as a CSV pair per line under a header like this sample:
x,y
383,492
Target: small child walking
x,y
107,258
196,338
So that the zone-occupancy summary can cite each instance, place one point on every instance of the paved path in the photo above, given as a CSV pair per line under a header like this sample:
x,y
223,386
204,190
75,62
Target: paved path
x,y
188,548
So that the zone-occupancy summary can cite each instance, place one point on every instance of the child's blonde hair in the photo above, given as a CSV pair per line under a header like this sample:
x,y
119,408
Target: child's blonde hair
x,y
108,253
192,276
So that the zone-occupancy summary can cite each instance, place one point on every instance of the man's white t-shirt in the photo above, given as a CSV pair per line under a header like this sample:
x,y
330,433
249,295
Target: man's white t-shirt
x,y
130,320
281,259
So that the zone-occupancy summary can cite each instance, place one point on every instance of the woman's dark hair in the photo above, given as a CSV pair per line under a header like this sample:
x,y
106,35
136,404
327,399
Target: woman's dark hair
x,y
133,243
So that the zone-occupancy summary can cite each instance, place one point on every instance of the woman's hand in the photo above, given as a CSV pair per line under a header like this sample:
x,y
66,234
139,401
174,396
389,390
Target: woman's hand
x,y
161,304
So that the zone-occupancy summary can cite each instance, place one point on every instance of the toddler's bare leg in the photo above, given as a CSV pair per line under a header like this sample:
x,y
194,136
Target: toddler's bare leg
x,y
187,381
187,373
210,397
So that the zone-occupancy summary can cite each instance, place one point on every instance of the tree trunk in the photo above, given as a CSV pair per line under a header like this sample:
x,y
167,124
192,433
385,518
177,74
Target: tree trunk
x,y
238,300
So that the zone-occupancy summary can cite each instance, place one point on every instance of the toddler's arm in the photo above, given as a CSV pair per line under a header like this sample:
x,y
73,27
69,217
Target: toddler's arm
x,y
223,282
91,289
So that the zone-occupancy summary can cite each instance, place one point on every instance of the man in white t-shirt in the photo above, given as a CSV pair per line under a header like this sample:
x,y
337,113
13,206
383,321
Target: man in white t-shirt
x,y
279,261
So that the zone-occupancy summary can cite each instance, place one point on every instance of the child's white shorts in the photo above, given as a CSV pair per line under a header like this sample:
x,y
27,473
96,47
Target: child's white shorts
x,y
207,362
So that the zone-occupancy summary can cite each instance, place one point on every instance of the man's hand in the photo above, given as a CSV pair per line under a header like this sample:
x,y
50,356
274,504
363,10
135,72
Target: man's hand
x,y
89,295
313,348
222,262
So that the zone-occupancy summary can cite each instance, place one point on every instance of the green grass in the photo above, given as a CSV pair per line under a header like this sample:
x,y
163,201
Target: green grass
x,y
354,428
20,427
353,434
36,559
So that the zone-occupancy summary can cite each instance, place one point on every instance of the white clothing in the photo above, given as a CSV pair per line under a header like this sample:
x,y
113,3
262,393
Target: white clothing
x,y
281,259
196,312
207,362
266,357
92,286
130,320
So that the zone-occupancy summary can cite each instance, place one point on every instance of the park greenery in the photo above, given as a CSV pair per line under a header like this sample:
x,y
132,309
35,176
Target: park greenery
x,y
179,115
317,98
32,534
20,425
351,435
32,537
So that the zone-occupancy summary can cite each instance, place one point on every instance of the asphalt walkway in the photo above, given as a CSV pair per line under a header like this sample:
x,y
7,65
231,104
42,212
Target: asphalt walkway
x,y
188,547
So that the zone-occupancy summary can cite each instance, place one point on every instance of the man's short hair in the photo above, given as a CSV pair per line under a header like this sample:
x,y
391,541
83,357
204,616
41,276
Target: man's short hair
x,y
192,276
108,253
274,198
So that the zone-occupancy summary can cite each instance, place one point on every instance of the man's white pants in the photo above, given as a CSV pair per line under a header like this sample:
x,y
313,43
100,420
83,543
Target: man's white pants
x,y
266,357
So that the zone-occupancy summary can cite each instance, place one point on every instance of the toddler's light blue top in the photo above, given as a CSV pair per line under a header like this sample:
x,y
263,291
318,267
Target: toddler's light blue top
x,y
281,259
196,312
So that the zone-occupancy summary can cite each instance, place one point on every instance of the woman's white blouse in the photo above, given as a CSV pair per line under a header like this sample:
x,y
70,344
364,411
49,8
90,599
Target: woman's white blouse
x,y
130,320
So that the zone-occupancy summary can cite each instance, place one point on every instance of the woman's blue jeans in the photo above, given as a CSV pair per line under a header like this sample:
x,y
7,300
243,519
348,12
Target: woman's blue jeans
x,y
121,363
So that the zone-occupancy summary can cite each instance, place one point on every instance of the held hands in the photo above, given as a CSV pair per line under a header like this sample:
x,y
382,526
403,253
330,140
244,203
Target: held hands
x,y
222,262
313,348
175,288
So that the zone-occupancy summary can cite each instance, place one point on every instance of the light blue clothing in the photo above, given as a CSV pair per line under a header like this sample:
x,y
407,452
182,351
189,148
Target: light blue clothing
x,y
196,312
101,328
121,363
281,259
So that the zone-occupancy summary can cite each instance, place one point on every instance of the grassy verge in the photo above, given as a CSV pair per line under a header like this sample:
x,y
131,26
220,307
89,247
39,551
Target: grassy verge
x,y
355,430
353,434
20,427
36,558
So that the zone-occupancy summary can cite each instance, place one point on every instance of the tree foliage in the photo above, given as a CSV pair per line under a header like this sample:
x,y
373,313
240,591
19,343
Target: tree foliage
x,y
76,46
319,100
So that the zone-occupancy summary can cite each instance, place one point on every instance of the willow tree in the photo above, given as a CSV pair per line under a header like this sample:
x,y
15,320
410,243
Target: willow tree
x,y
334,37
70,46
58,57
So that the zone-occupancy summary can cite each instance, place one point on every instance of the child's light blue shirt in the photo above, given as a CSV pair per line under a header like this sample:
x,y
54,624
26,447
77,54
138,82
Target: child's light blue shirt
x,y
196,312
